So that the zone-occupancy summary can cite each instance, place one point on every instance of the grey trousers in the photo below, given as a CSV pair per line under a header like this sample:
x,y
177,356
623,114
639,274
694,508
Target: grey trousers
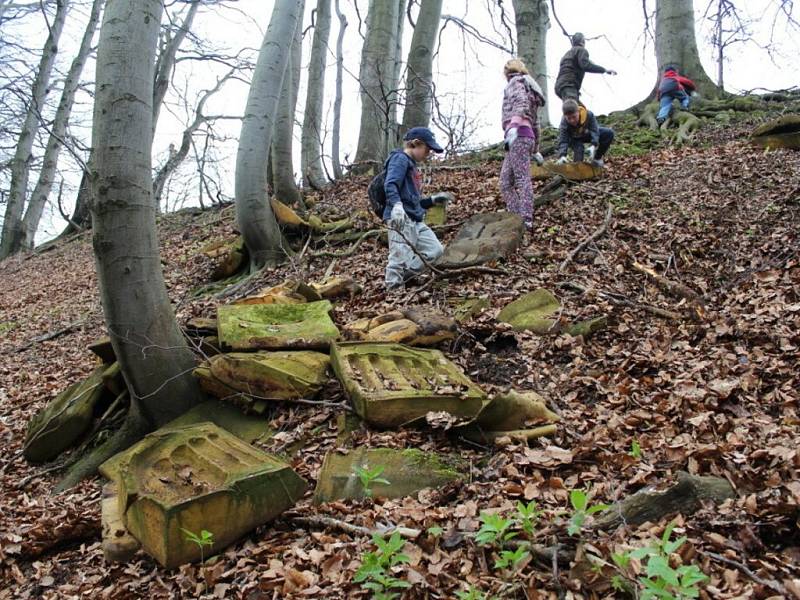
x,y
407,241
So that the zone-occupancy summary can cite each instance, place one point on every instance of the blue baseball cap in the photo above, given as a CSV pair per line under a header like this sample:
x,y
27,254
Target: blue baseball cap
x,y
424,134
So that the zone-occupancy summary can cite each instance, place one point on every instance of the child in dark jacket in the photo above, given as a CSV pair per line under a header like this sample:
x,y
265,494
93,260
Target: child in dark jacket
x,y
410,240
578,127
673,86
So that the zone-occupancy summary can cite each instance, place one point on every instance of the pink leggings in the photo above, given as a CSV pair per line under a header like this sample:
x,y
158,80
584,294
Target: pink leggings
x,y
515,180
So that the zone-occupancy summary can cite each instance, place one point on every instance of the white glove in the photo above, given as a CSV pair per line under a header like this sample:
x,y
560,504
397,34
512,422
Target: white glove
x,y
591,152
610,72
694,94
562,161
538,158
511,136
398,216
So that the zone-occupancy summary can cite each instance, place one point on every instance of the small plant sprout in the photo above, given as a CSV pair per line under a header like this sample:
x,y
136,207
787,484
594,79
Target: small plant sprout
x,y
369,477
511,560
579,500
660,579
472,593
636,450
375,573
495,529
528,515
206,538
435,531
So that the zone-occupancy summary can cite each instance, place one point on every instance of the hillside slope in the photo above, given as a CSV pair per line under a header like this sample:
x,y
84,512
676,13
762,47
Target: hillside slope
x,y
715,395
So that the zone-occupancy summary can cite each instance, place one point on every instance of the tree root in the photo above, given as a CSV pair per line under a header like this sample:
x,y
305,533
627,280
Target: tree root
x,y
352,250
674,288
684,497
619,299
133,429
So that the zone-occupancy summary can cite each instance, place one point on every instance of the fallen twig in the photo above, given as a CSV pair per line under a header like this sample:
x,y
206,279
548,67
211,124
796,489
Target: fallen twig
x,y
331,523
595,235
616,298
48,336
770,583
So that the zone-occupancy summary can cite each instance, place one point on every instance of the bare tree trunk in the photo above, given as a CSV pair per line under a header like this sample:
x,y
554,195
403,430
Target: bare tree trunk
x,y
283,183
419,77
253,212
311,136
13,230
165,63
337,101
153,355
393,96
676,43
532,19
376,78
41,192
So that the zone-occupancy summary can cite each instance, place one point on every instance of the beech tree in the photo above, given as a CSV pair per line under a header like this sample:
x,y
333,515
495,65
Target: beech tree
x,y
377,79
13,230
153,355
532,20
419,77
337,98
311,135
284,185
44,184
676,43
256,220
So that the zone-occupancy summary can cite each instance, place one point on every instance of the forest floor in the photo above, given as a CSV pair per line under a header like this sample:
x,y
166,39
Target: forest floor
x,y
640,400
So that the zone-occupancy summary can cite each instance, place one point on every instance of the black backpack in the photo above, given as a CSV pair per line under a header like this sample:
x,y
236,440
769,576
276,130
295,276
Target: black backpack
x,y
376,194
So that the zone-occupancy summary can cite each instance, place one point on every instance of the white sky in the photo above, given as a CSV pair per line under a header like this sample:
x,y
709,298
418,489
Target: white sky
x,y
468,74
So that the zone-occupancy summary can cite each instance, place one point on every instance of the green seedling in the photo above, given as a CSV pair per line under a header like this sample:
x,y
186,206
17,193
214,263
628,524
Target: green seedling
x,y
368,477
508,559
375,574
528,515
636,450
581,511
495,529
206,538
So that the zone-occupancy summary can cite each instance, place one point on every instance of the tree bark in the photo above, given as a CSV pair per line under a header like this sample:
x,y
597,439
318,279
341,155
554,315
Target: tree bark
x,y
13,230
337,101
393,97
165,63
41,192
676,43
311,136
253,212
532,20
283,183
376,78
153,355
419,77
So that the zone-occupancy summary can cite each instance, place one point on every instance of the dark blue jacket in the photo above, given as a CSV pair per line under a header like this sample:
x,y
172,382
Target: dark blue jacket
x,y
400,186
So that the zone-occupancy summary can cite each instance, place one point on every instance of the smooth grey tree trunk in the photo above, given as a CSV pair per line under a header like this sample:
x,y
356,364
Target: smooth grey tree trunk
x,y
13,230
419,73
532,20
337,100
284,185
311,135
44,185
152,353
394,96
165,63
253,212
676,43
376,79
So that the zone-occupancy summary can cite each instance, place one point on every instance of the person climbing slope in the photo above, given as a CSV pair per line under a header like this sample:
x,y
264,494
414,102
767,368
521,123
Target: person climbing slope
x,y
673,86
578,127
522,99
410,239
574,65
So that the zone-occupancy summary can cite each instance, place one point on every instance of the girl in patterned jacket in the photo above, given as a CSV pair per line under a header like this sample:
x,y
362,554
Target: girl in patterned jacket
x,y
522,99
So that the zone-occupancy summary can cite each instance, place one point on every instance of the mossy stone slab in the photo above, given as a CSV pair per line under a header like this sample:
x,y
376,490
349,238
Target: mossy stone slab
x,y
118,543
407,472
532,312
391,385
103,349
194,478
247,428
466,308
483,238
572,171
65,419
783,132
436,215
276,326
281,375
413,326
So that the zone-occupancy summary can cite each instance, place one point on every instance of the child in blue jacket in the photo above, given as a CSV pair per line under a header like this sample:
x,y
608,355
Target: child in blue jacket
x,y
410,239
